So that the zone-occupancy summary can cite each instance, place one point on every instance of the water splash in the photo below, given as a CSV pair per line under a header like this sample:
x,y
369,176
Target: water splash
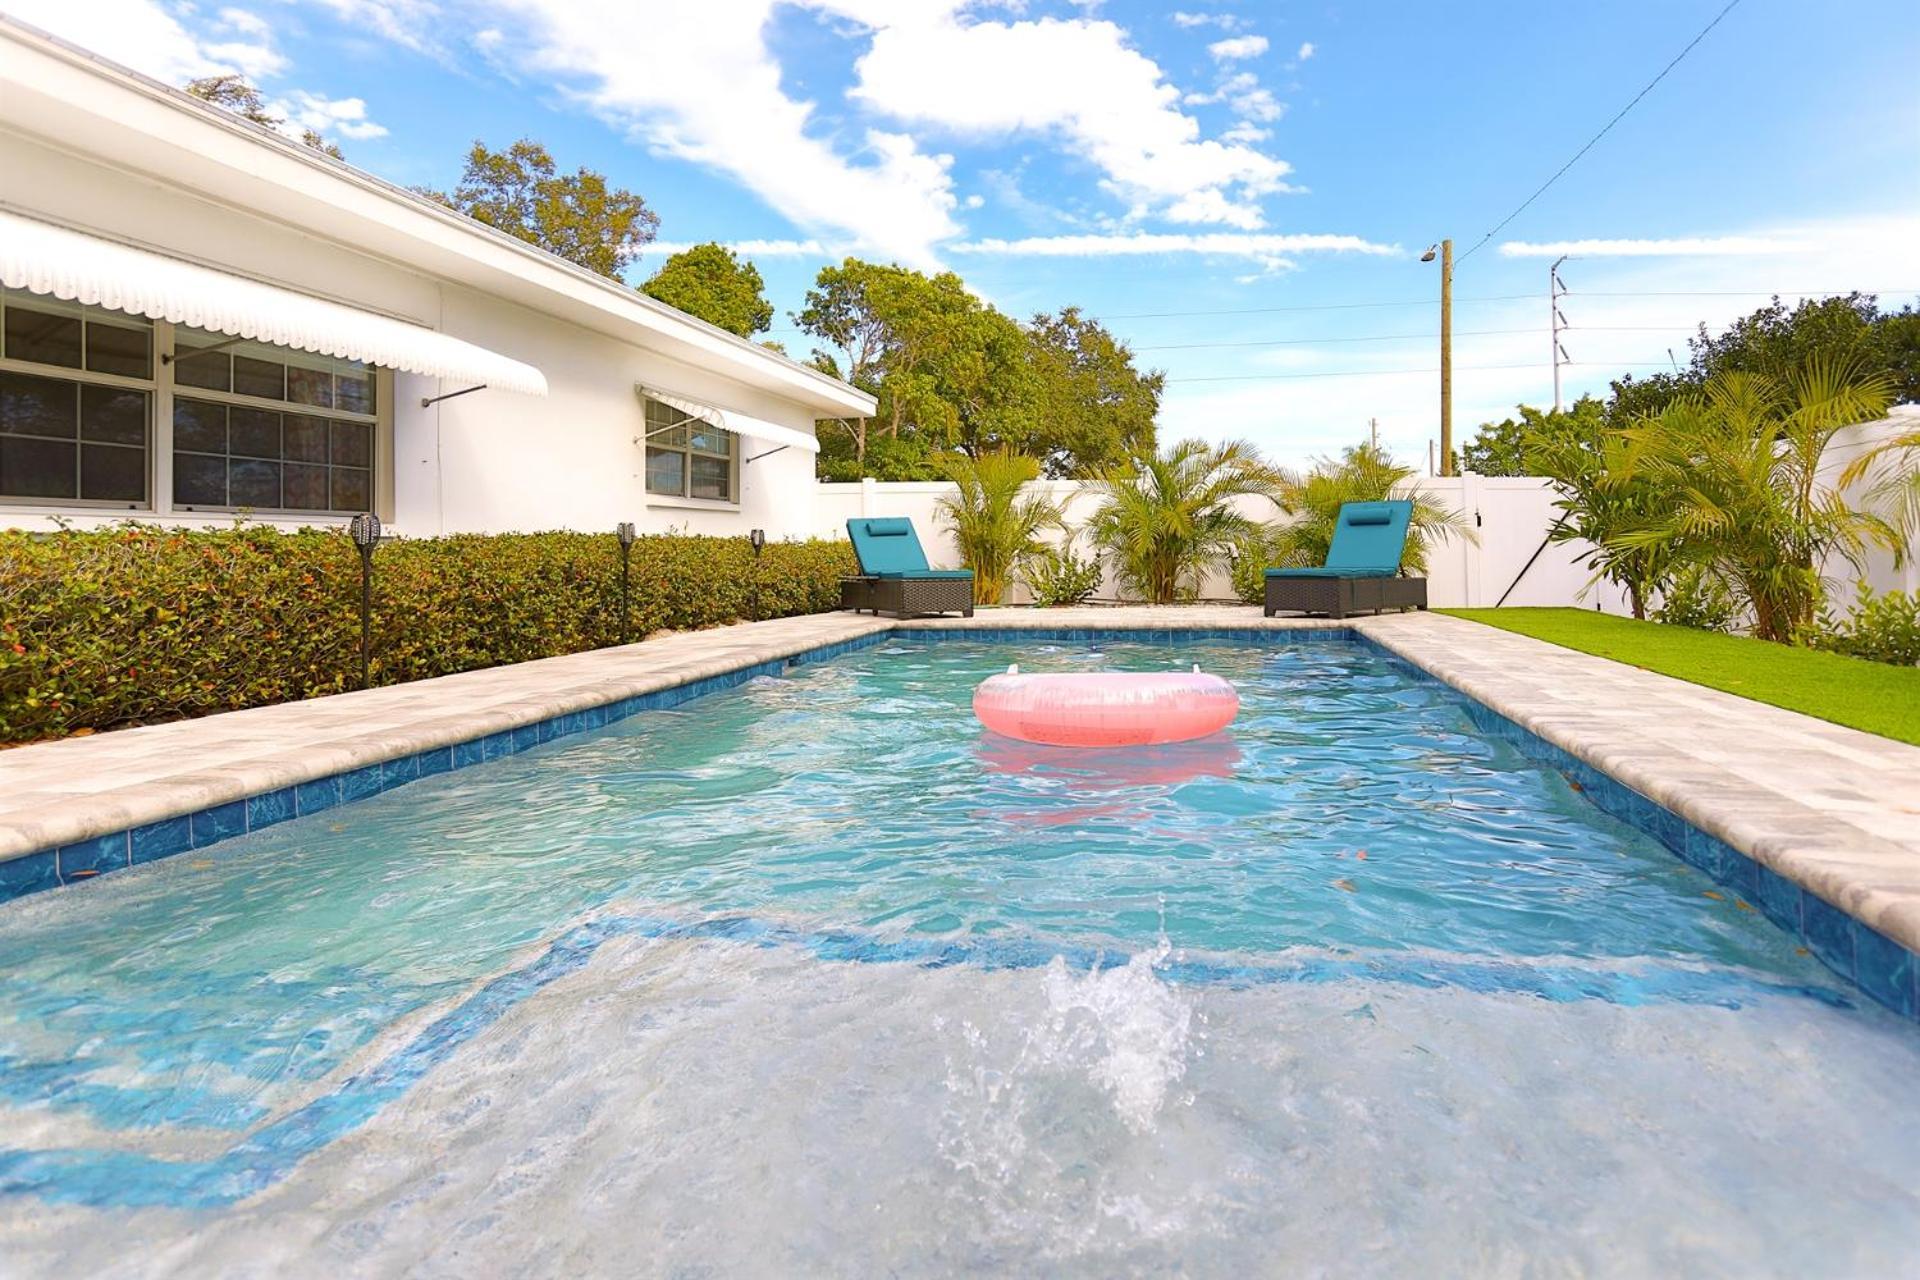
x,y
1126,1027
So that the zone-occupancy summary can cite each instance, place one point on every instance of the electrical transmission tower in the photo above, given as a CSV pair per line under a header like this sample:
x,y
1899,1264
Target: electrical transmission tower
x,y
1555,291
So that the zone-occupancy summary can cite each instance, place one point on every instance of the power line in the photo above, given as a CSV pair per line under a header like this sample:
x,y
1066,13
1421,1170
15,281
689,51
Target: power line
x,y
1394,373
1730,6
1331,306
1424,337
1497,297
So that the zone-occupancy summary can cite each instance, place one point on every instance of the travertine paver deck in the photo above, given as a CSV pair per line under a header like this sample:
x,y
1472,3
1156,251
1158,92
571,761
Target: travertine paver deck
x,y
1833,809
1836,810
57,793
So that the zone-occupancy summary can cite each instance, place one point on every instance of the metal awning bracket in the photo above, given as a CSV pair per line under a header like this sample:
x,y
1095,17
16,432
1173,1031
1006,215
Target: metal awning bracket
x,y
756,457
427,402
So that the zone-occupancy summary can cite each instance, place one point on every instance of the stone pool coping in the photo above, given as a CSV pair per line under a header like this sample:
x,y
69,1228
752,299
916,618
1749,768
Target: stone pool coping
x,y
1831,809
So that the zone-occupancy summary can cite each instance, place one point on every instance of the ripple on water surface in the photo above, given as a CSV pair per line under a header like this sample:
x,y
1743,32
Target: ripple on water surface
x,y
1390,941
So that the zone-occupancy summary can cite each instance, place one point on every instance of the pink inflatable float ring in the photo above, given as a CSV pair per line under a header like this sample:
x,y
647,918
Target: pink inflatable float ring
x,y
1106,709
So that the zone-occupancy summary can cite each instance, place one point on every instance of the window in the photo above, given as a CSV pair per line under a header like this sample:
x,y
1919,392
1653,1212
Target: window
x,y
75,403
252,426
311,449
688,457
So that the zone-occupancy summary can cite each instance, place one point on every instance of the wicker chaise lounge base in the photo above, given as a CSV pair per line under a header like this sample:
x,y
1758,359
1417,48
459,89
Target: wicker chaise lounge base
x,y
1338,597
908,597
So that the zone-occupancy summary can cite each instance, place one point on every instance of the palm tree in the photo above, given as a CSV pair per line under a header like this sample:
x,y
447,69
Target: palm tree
x,y
1739,463
994,525
1169,517
1364,473
1894,467
1602,494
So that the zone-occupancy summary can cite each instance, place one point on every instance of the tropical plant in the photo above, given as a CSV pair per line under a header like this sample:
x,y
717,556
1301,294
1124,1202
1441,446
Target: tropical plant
x,y
1737,467
1364,473
1170,516
1602,497
1883,627
1057,575
1696,597
1252,552
1891,470
992,520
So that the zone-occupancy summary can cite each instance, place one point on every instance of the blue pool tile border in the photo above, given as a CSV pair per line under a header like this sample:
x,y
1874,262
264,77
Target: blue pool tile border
x,y
1884,969
87,859
1887,971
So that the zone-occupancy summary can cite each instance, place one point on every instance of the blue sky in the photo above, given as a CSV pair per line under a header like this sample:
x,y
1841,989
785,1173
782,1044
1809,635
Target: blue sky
x,y
1285,164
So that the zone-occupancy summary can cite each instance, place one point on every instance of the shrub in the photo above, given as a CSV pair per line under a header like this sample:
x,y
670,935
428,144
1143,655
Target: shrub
x,y
105,628
1057,576
1257,550
1885,628
1696,597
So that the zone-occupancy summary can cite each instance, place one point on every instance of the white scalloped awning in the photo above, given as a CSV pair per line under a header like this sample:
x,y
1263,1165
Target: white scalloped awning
x,y
744,424
55,261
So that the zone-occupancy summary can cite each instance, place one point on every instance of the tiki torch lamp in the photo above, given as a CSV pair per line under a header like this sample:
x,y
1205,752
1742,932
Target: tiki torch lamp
x,y
624,532
364,529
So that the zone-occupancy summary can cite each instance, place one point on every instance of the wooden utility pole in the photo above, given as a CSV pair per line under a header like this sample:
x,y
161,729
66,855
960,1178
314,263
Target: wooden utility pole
x,y
1446,357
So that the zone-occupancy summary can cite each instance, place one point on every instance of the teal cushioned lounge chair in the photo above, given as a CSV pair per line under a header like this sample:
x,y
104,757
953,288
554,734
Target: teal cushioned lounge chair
x,y
1362,569
894,577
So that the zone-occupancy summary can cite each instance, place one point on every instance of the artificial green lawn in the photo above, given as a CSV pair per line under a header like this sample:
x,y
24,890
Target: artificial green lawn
x,y
1873,696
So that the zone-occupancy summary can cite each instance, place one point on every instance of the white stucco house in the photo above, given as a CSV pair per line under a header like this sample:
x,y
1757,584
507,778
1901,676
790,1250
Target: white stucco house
x,y
202,318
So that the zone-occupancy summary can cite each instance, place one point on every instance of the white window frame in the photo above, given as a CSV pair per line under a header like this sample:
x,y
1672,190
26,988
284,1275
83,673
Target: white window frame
x,y
684,498
162,389
88,377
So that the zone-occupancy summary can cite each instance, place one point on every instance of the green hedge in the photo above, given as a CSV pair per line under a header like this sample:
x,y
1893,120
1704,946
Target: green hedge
x,y
135,624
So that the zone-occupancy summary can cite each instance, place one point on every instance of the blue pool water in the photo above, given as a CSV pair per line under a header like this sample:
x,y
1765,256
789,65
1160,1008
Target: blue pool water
x,y
720,950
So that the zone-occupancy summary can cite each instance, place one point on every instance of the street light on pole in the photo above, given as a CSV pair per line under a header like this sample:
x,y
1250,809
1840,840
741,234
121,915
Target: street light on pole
x,y
1445,248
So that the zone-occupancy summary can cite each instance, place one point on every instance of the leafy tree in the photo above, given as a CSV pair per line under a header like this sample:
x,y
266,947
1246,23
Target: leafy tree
x,y
1363,473
710,282
1501,448
1170,516
1094,408
577,216
1738,468
945,368
1774,340
233,93
995,524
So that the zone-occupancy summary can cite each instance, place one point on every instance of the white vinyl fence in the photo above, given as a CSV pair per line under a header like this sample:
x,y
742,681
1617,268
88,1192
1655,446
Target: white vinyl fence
x,y
1513,516
1510,517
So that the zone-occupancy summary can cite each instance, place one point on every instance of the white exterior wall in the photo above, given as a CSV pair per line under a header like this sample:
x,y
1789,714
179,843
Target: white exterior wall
x,y
491,461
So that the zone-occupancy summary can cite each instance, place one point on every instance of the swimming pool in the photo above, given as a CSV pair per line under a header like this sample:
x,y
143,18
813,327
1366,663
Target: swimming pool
x,y
811,975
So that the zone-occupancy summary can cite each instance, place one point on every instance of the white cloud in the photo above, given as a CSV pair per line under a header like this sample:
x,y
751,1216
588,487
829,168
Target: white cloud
x,y
253,60
710,92
1080,81
1238,48
246,23
1189,20
146,36
974,201
1625,315
748,248
1267,250
1136,244
1710,246
345,117
1306,51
